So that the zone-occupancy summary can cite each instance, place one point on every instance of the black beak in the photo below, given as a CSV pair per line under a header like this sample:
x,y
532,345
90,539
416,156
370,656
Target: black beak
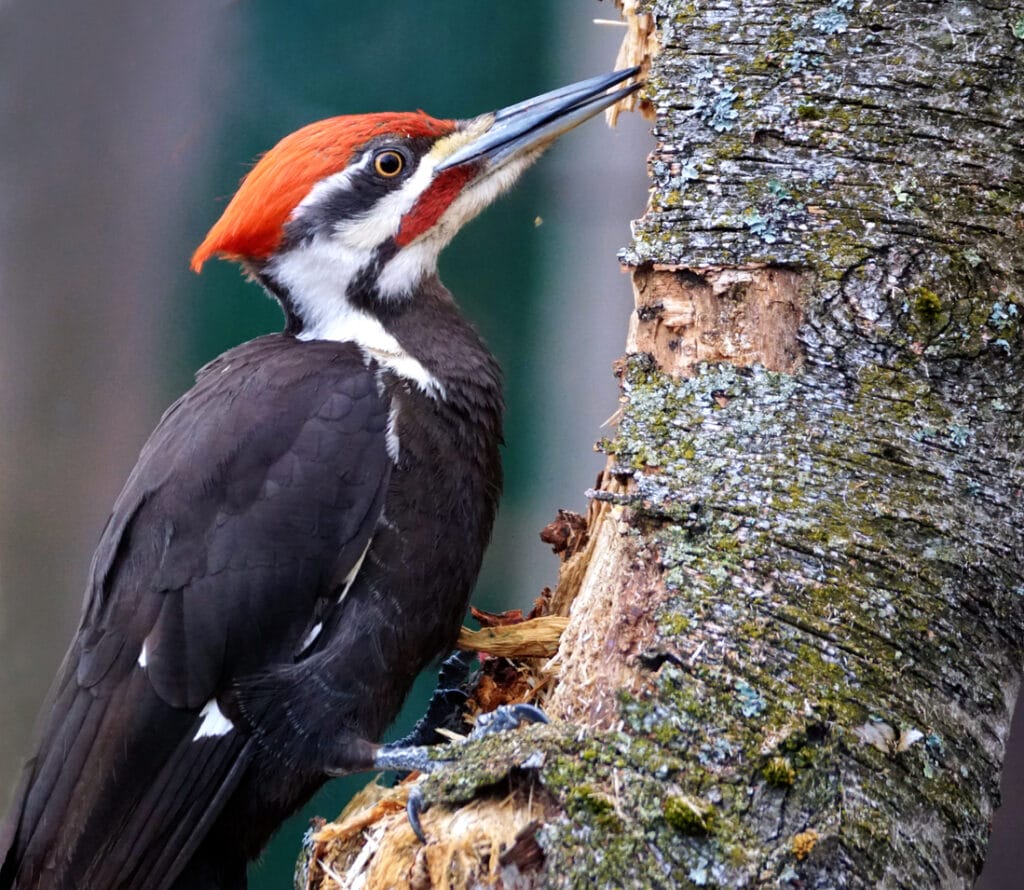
x,y
530,126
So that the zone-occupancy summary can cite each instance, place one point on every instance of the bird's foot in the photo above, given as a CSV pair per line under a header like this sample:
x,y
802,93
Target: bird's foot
x,y
399,757
506,717
390,757
444,711
404,759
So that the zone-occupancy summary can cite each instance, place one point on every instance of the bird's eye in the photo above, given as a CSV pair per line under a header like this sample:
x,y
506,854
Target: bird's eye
x,y
388,163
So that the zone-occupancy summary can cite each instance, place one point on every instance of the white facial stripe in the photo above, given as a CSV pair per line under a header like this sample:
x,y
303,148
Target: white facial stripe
x,y
337,182
356,239
316,276
214,722
409,266
384,219
419,258
478,195
318,272
334,259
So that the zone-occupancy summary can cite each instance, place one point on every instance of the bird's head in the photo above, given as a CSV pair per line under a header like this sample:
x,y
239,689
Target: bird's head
x,y
352,212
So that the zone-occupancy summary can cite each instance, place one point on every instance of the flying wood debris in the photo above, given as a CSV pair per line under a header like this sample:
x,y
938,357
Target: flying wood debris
x,y
639,45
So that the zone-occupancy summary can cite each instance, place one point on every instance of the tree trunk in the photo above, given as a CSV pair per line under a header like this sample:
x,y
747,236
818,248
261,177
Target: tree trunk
x,y
797,607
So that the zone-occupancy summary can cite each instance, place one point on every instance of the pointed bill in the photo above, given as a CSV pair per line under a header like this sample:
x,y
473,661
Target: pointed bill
x,y
530,126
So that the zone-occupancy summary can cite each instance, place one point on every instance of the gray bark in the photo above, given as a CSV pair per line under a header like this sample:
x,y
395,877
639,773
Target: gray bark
x,y
796,618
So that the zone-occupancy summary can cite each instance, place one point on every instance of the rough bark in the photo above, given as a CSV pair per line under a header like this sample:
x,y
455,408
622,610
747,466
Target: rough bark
x,y
796,610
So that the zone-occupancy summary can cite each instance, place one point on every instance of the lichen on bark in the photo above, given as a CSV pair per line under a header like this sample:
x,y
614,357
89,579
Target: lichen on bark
x,y
842,614
815,134
840,544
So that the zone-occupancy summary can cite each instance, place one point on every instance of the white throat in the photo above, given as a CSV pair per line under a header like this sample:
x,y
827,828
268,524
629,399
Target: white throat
x,y
316,276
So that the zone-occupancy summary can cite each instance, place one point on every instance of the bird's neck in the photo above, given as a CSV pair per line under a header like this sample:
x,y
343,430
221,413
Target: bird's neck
x,y
322,281
389,303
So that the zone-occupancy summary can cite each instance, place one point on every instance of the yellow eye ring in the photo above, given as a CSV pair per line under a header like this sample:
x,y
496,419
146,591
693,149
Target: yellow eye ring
x,y
388,163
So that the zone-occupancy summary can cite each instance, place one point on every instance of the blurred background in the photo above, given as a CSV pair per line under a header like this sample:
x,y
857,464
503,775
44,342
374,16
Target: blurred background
x,y
124,129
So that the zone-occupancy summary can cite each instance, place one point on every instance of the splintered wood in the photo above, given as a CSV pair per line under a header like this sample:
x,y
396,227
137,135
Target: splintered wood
x,y
488,842
684,316
613,599
745,316
639,46
534,638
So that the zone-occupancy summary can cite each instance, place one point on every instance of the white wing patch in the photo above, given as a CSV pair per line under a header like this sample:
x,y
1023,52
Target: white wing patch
x,y
143,655
391,442
351,576
314,632
316,629
214,723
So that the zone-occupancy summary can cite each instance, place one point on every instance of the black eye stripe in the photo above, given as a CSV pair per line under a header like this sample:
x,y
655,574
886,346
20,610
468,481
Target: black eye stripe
x,y
361,191
356,198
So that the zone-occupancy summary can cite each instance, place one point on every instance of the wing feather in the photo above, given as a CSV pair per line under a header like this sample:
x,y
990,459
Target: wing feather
x,y
258,490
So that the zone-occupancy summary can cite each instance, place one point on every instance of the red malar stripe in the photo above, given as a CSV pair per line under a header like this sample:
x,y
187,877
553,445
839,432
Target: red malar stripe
x,y
432,203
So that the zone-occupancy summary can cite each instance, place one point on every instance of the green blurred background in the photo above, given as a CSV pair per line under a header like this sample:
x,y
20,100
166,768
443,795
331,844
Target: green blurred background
x,y
124,128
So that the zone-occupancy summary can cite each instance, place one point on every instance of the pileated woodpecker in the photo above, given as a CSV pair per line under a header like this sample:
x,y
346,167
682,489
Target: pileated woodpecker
x,y
301,533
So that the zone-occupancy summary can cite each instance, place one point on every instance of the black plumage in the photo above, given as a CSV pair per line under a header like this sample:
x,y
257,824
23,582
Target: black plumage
x,y
233,539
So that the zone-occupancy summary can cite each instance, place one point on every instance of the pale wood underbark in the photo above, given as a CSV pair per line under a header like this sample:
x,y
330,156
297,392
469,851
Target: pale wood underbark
x,y
796,612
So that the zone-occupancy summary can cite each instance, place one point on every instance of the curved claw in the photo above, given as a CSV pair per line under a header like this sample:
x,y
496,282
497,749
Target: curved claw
x,y
507,717
414,806
501,719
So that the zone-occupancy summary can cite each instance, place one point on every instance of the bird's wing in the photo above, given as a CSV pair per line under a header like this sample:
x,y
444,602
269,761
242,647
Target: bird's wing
x,y
254,498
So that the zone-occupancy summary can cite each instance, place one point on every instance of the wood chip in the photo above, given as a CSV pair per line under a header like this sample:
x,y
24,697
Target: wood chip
x,y
535,638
